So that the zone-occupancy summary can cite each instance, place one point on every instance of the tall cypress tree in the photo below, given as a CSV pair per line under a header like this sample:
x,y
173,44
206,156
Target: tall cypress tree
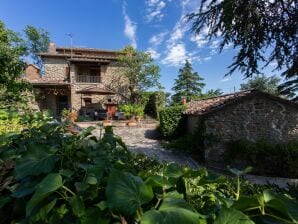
x,y
188,84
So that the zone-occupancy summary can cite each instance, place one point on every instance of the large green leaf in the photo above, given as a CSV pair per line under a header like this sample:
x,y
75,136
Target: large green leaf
x,y
25,188
48,185
77,204
230,215
4,200
35,162
158,181
281,204
247,203
173,209
173,170
172,215
44,211
173,199
126,192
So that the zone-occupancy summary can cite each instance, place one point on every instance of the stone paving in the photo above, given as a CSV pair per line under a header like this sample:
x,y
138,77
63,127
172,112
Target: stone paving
x,y
143,139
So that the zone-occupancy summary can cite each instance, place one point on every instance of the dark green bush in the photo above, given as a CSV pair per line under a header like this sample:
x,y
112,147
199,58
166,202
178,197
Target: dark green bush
x,y
194,143
170,119
155,103
266,158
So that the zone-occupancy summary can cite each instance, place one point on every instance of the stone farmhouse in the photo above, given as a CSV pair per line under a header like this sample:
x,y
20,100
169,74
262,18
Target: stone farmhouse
x,y
78,79
251,115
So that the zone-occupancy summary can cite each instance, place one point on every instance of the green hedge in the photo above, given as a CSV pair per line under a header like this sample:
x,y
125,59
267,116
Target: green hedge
x,y
266,158
155,103
170,119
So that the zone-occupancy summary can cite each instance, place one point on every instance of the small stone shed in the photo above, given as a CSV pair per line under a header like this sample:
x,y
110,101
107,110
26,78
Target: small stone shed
x,y
250,114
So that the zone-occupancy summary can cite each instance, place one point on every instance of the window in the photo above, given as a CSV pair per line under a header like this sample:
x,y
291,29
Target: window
x,y
87,101
94,72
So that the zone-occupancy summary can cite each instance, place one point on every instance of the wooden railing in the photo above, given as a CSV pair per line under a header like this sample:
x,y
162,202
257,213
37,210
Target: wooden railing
x,y
89,78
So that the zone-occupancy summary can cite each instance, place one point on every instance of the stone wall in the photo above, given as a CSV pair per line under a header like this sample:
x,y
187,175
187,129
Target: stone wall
x,y
113,79
253,119
56,69
32,73
76,102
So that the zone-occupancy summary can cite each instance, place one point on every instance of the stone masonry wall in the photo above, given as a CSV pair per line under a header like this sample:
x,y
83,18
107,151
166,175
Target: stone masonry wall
x,y
115,81
55,69
97,100
32,73
252,119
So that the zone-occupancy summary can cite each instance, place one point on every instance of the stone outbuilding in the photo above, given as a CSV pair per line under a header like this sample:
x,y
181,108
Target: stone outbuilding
x,y
250,115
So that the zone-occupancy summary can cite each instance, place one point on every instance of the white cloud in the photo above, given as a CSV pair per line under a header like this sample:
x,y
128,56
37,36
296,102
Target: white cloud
x,y
130,27
226,79
215,44
155,10
154,54
207,58
157,39
273,64
176,52
201,38
177,55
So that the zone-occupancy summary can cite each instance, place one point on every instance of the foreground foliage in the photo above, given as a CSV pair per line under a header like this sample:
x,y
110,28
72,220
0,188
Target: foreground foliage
x,y
51,176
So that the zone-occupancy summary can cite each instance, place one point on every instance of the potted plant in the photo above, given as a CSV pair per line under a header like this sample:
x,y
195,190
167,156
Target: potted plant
x,y
127,109
139,112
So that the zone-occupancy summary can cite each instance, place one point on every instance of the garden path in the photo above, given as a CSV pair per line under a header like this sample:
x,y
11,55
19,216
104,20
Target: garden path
x,y
143,139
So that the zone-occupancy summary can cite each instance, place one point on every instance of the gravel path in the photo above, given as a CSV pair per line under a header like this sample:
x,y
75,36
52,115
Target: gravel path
x,y
143,140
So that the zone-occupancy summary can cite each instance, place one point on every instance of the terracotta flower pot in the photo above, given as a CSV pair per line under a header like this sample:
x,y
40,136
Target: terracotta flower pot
x,y
132,123
107,123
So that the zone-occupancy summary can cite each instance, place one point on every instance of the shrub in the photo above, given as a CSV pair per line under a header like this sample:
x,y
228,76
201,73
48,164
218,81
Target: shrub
x,y
266,158
132,110
9,121
170,119
194,143
155,103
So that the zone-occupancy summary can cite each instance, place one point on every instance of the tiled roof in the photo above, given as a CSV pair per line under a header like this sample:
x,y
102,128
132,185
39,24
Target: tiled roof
x,y
47,82
74,56
204,106
86,49
199,107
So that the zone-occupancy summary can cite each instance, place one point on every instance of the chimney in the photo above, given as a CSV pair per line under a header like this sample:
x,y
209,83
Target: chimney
x,y
52,48
183,101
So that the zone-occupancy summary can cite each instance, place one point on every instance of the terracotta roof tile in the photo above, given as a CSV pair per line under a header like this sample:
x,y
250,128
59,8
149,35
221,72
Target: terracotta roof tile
x,y
199,107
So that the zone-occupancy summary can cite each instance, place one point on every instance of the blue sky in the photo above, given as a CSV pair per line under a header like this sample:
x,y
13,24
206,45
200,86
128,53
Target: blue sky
x,y
156,26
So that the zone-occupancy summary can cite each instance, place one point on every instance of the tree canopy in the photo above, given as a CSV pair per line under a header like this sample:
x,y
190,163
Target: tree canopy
x,y
265,32
211,93
263,83
139,70
13,49
188,84
37,41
